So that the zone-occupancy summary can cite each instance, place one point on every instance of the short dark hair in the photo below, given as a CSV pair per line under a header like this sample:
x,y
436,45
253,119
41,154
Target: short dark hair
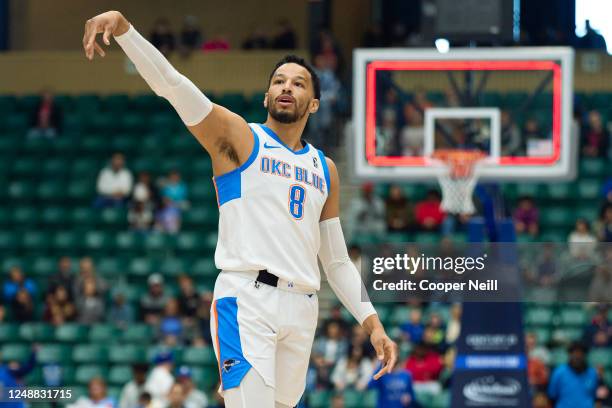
x,y
294,59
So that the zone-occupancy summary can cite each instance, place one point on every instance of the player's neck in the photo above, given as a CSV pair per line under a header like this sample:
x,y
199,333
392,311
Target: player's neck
x,y
289,133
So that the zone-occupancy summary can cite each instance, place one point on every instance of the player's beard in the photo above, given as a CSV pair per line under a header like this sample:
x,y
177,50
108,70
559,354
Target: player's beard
x,y
286,116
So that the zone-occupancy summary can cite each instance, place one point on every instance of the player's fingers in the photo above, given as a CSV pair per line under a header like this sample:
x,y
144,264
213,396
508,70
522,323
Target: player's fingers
x,y
390,355
99,49
380,373
380,350
108,30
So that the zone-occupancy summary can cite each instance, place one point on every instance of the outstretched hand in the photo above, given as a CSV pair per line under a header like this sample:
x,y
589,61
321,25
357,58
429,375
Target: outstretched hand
x,y
386,351
107,24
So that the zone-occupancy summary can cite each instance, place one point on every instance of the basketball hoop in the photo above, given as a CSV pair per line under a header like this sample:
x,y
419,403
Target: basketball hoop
x,y
458,179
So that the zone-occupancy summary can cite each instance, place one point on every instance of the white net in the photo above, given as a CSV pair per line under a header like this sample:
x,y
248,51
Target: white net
x,y
458,180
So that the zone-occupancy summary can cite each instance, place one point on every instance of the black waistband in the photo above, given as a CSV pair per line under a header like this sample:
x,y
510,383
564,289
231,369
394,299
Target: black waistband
x,y
266,277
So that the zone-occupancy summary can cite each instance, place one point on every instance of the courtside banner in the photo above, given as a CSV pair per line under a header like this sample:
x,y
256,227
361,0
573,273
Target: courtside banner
x,y
487,272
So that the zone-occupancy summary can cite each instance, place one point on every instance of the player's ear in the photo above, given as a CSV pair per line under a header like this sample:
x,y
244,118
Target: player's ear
x,y
314,106
265,101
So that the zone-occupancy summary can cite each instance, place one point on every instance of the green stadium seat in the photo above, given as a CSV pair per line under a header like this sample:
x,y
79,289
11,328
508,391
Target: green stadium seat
x,y
400,315
352,399
204,267
116,103
173,266
36,332
600,356
156,241
184,144
5,217
102,333
319,399
120,374
83,169
256,115
54,353
113,217
557,216
589,189
128,241
424,398
66,241
84,217
26,167
427,237
560,191
137,333
25,216
200,217
21,191
71,333
126,144
199,356
9,332
206,378
233,101
134,123
127,353
566,335
592,167
543,334
441,400
77,389
141,266
97,241
165,122
8,241
15,352
146,103
51,191
54,216
16,122
203,192
573,317
558,356
34,241
81,191
89,353
38,148
43,266
10,261
588,212
189,241
256,100
85,373
200,168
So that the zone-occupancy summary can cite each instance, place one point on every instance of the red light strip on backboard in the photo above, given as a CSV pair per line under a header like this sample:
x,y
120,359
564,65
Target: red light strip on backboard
x,y
501,65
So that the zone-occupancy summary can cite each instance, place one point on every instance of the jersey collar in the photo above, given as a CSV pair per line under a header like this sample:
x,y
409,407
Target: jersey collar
x,y
274,136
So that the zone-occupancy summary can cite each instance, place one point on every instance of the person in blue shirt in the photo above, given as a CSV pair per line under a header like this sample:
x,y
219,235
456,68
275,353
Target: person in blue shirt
x,y
16,282
573,385
11,375
395,389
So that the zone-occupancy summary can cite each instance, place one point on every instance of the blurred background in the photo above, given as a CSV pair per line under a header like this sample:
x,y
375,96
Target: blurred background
x,y
108,216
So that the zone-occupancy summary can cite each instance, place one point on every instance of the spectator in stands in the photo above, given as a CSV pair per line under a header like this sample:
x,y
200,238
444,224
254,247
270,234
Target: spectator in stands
x,y
285,38
607,191
592,40
367,212
257,40
544,271
152,304
511,140
335,317
582,242
90,304
573,385
603,226
160,379
140,217
12,373
399,214
603,394
217,42
540,400
322,122
145,401
87,271
162,37
332,345
326,49
47,118
114,184
428,214
146,191
420,100
130,393
425,366
600,326
595,137
412,330
537,373
337,400
357,257
121,313
194,398
63,276
171,328
412,134
59,308
188,298
168,218
203,315
23,306
395,389
453,327
527,217
175,189
190,36
16,282
534,350
532,130
353,371
387,137
97,397
360,339
433,335
2,313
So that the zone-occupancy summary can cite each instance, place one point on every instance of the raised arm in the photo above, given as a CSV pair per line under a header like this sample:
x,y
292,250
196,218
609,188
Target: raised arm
x,y
225,135
344,278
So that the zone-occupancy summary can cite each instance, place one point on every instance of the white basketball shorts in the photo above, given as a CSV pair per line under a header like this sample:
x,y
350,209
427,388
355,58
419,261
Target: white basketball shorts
x,y
267,328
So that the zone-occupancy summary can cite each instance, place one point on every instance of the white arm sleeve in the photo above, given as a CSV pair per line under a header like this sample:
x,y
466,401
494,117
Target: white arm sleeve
x,y
190,103
342,275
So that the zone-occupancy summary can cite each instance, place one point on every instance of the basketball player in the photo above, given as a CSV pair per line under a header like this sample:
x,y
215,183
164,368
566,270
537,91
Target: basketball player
x,y
278,202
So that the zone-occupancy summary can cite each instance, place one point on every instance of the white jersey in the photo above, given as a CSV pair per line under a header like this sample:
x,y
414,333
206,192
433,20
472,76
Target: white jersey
x,y
269,210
